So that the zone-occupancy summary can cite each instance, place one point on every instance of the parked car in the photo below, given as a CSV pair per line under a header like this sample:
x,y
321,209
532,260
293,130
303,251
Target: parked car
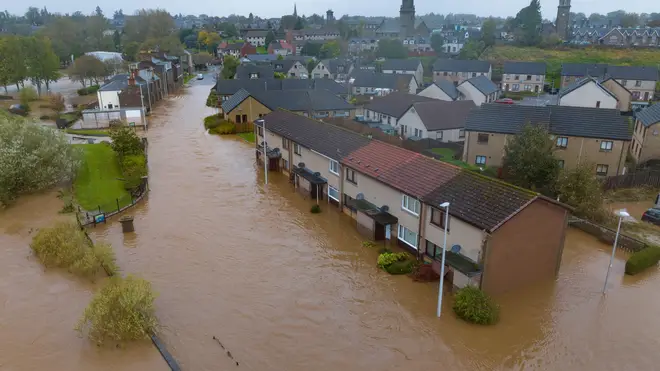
x,y
652,216
200,76
505,101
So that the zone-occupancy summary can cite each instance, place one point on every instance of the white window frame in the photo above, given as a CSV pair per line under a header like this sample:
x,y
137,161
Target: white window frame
x,y
408,201
334,189
476,160
402,234
297,149
562,142
330,167
606,146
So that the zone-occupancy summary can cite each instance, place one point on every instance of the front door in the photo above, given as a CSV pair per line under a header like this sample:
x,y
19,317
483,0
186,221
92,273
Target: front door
x,y
379,233
388,231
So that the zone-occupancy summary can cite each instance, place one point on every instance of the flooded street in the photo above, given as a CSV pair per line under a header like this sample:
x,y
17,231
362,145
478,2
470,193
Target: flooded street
x,y
284,289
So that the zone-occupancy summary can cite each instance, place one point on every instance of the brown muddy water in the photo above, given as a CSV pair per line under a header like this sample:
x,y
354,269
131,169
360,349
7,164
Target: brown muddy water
x,y
284,289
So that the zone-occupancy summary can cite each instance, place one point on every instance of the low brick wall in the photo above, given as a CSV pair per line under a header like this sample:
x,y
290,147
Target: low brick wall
x,y
607,235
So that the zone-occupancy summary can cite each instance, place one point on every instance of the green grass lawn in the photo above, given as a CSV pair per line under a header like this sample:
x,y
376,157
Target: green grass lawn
x,y
247,136
262,50
97,182
90,132
446,153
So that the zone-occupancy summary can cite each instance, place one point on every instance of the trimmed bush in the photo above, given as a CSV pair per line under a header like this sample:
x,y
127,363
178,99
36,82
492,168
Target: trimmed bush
x,y
123,310
388,258
133,168
473,305
643,259
401,267
315,209
368,244
212,122
88,90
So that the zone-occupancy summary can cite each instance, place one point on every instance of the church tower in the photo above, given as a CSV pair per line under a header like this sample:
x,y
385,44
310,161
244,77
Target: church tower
x,y
295,11
407,19
563,21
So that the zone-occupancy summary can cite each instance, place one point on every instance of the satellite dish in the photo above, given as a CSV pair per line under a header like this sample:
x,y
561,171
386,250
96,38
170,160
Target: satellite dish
x,y
384,208
456,249
317,174
359,196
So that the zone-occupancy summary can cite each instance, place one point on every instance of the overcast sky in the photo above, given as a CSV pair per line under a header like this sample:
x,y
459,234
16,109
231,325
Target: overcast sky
x,y
270,8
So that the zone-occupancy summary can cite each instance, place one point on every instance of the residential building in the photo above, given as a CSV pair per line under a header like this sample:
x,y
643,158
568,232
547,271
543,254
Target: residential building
x,y
237,50
291,68
226,88
336,69
245,106
479,89
639,80
254,71
455,40
311,34
361,44
366,26
436,119
592,135
405,66
572,72
441,89
623,95
257,37
495,241
281,47
587,92
390,108
523,76
646,135
367,82
628,37
457,71
392,28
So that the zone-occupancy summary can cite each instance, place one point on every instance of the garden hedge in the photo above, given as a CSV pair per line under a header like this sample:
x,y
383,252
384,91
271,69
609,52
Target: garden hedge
x,y
643,259
89,90
473,305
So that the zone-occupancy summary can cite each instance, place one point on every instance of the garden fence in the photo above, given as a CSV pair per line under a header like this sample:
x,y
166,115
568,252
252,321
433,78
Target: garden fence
x,y
244,127
632,180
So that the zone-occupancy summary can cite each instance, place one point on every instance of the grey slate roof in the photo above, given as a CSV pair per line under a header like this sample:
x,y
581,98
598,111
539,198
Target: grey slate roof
x,y
646,73
371,79
649,115
283,65
579,83
301,100
395,104
235,100
483,84
456,65
562,120
261,57
525,68
333,65
443,115
401,64
448,87
583,69
231,86
244,71
256,33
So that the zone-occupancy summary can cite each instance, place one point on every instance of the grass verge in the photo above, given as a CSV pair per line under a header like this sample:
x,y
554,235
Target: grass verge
x,y
249,137
98,180
89,132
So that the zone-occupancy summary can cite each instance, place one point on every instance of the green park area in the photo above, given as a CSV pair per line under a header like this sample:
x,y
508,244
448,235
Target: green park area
x,y
98,182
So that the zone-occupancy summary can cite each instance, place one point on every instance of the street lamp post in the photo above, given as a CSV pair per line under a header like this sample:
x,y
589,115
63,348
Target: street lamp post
x,y
444,205
622,214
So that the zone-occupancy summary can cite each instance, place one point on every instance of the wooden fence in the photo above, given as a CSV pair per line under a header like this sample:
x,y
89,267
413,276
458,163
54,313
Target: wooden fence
x,y
244,127
632,180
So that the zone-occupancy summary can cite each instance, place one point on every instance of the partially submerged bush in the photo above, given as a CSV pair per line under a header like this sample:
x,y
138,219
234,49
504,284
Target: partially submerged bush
x,y
215,124
315,209
88,90
401,267
473,305
123,310
125,142
368,244
65,246
642,260
388,258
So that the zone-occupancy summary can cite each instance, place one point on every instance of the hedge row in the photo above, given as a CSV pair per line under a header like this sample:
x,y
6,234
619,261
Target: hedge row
x,y
216,125
643,259
89,90
473,305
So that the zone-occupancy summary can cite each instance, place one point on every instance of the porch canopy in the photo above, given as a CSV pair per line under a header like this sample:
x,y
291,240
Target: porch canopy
x,y
373,211
271,152
457,261
308,175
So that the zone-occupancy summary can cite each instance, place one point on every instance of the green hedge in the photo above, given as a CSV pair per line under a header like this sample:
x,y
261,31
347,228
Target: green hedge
x,y
643,259
89,90
401,267
473,305
396,263
133,168
216,125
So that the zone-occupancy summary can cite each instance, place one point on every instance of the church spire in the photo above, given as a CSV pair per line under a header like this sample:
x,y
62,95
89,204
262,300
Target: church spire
x,y
295,11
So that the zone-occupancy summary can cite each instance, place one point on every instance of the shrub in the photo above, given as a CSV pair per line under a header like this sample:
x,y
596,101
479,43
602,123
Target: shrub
x,y
401,267
384,250
123,310
211,122
643,259
133,168
125,142
388,258
315,209
212,100
27,94
224,128
473,305
88,90
65,246
57,103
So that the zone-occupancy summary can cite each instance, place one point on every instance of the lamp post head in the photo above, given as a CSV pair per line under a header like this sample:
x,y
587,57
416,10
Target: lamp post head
x,y
444,205
623,213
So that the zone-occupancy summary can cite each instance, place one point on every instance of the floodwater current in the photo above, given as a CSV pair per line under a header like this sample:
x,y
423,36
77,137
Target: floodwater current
x,y
284,289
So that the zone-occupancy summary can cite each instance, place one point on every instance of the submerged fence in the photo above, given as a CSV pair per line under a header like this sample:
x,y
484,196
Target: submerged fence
x,y
649,178
607,235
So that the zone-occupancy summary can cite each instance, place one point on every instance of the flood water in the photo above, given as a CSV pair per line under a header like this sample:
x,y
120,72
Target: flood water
x,y
284,289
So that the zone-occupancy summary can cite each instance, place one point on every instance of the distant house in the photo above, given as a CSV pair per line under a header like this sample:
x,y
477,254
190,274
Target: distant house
x,y
390,108
523,76
320,34
336,69
648,37
436,119
623,95
587,92
257,37
479,89
571,72
226,88
582,135
639,80
253,71
365,82
457,71
441,89
361,44
291,68
405,66
646,135
236,50
281,47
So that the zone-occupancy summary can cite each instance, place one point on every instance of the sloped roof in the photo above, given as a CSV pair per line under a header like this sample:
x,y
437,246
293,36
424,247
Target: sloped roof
x,y
371,79
283,65
231,86
333,65
401,64
561,120
244,71
235,100
483,84
301,100
649,115
646,73
583,69
448,87
525,68
443,115
579,83
457,65
395,104
256,33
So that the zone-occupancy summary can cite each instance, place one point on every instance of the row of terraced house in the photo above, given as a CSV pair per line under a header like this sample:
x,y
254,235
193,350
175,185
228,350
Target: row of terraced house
x,y
494,239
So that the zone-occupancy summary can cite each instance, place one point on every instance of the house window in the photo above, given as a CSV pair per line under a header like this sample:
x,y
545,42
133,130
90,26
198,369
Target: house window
x,y
482,138
461,133
333,193
407,236
474,74
529,78
334,167
517,77
598,104
515,87
624,82
286,144
418,133
438,218
438,134
260,131
561,164
296,149
480,160
562,142
606,146
538,77
638,83
238,119
602,169
444,74
410,204
350,176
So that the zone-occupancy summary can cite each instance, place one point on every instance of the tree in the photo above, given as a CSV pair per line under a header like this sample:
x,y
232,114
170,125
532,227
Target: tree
x,y
27,95
300,24
229,66
98,11
329,50
472,50
630,20
528,24
12,61
202,58
57,103
270,37
34,158
88,68
131,50
116,40
580,188
311,65
437,42
391,49
125,142
488,29
311,49
529,159
280,75
42,63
